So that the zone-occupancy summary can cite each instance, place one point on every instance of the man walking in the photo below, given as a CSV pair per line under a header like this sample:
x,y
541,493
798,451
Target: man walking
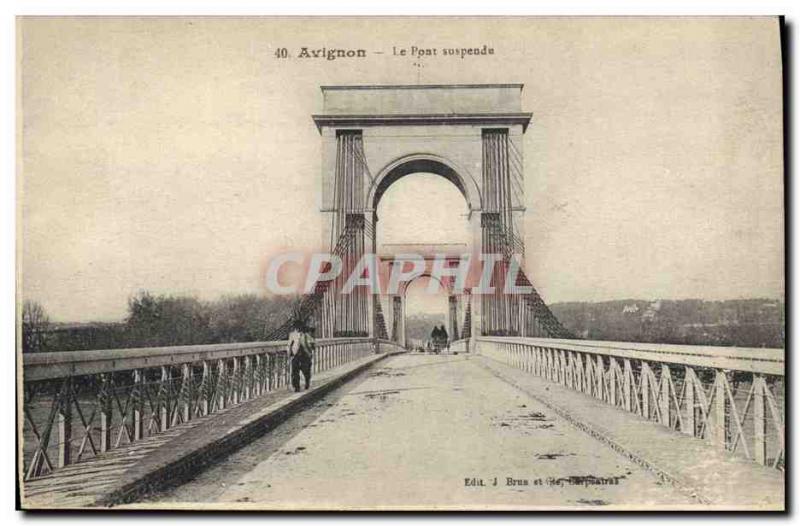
x,y
301,354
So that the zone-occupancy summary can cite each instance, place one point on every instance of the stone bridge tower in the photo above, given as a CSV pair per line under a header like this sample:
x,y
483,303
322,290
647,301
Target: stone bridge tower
x,y
470,134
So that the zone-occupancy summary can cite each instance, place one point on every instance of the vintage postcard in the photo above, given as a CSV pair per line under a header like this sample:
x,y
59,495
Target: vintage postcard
x,y
401,263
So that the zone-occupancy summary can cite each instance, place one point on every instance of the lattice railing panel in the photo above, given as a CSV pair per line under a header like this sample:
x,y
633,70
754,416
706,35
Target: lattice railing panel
x,y
121,396
732,398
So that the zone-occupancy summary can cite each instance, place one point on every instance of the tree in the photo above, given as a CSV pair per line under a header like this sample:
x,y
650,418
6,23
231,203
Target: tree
x,y
248,317
35,324
166,320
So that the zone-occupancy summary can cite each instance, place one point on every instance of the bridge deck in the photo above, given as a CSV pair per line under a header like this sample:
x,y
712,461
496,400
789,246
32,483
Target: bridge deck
x,y
422,431
368,444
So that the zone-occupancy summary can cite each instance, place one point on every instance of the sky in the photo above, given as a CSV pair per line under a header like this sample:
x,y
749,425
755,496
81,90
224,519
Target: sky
x,y
411,205
176,155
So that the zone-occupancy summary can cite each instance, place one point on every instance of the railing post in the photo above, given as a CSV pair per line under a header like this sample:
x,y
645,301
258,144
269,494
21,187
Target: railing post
x,y
627,380
186,391
106,409
759,419
562,364
138,404
569,377
269,372
286,365
599,373
664,406
163,391
717,419
204,405
613,369
237,383
644,382
248,377
532,359
274,371
264,372
259,376
222,381
540,365
588,377
688,421
64,419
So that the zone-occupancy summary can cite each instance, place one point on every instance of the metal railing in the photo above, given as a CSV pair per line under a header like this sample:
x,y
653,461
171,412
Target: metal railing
x,y
80,404
732,397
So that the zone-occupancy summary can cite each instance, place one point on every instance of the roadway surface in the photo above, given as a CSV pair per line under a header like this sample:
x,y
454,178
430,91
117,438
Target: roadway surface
x,y
422,431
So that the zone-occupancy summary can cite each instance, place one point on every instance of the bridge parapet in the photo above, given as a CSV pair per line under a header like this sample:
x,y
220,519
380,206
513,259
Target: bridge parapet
x,y
732,397
81,404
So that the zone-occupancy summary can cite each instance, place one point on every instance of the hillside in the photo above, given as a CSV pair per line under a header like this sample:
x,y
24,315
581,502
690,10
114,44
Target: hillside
x,y
419,326
743,323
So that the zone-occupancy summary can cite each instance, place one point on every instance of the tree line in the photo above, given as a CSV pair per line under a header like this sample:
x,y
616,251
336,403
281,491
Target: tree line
x,y
740,323
160,320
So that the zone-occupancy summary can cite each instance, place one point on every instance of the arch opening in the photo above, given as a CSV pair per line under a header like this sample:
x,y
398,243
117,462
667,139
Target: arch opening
x,y
436,214
423,311
418,166
422,205
424,163
421,213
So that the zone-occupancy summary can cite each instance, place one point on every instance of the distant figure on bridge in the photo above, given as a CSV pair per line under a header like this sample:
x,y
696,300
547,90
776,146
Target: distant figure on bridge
x,y
439,338
301,354
443,335
435,338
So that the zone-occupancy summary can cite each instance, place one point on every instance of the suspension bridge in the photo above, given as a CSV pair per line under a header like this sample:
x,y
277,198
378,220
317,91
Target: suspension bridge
x,y
519,414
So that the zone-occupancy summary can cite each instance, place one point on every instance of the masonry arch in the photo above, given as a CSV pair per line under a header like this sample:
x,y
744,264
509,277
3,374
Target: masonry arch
x,y
400,305
424,163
